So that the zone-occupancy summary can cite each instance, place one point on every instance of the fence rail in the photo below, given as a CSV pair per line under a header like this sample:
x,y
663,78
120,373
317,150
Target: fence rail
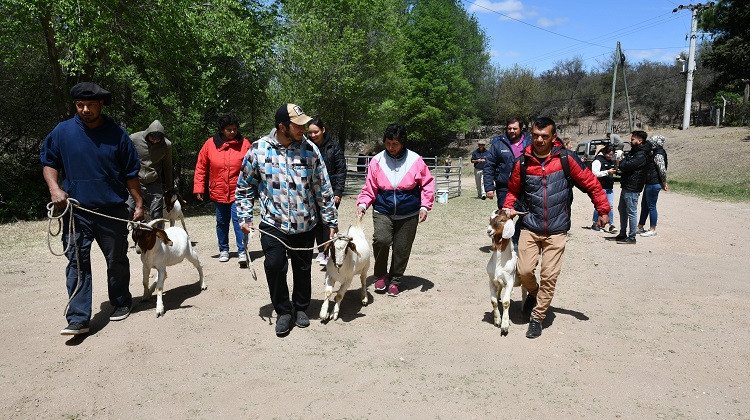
x,y
447,175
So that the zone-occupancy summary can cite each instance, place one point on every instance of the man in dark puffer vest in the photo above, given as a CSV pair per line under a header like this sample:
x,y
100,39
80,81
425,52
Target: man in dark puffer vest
x,y
547,196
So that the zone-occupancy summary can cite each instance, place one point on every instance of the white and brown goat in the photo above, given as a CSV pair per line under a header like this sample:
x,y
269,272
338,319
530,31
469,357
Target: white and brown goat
x,y
173,208
502,267
159,249
348,256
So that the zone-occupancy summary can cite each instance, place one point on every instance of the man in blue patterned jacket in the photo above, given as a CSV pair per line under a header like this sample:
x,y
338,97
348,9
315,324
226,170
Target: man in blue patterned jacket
x,y
286,172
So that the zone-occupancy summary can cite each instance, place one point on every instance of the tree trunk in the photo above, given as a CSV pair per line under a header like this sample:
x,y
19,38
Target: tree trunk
x,y
58,93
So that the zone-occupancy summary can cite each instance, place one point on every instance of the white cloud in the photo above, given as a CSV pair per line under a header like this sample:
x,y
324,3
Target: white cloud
x,y
546,23
493,53
512,8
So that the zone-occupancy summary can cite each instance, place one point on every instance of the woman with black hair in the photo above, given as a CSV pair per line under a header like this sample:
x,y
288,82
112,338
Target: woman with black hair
x,y
401,190
333,157
221,159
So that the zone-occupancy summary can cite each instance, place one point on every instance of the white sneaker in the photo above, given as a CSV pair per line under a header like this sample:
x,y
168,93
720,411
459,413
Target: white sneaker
x,y
648,233
242,259
223,256
321,256
323,261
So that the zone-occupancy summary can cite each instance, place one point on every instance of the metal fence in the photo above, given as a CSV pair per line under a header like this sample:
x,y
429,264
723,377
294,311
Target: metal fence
x,y
446,171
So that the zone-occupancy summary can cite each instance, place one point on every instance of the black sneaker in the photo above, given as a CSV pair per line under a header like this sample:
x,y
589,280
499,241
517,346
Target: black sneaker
x,y
283,324
75,328
119,313
628,241
535,329
529,304
616,238
302,320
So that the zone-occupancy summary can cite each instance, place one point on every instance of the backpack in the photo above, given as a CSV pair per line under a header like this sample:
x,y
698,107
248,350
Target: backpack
x,y
566,170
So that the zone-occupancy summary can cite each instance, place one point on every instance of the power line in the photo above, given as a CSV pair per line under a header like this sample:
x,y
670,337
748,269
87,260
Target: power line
x,y
532,25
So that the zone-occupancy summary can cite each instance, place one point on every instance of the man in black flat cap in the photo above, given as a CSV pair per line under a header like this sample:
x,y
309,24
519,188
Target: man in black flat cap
x,y
98,165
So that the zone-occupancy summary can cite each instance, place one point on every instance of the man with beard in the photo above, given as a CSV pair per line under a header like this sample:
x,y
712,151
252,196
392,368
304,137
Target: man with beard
x,y
285,171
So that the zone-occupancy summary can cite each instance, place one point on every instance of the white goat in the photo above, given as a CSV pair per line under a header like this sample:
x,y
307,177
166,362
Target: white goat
x,y
173,208
160,249
348,256
502,267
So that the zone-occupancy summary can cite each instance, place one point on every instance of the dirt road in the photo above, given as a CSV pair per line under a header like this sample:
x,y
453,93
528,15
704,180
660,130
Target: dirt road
x,y
655,330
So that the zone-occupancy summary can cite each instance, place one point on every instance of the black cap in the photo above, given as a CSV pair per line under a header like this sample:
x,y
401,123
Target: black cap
x,y
88,91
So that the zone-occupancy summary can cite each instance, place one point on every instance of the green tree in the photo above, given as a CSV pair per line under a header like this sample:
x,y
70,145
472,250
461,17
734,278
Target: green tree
x,y
342,60
520,94
439,96
730,52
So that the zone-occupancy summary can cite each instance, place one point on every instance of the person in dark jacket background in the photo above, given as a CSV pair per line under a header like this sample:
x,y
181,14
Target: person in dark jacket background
x,y
656,180
603,168
155,176
499,161
544,230
632,169
333,157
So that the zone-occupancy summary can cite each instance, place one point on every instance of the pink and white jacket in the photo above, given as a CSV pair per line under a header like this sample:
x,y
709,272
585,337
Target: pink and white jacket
x,y
397,187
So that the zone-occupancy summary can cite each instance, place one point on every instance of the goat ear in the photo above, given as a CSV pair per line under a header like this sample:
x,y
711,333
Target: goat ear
x,y
327,249
509,229
163,235
354,249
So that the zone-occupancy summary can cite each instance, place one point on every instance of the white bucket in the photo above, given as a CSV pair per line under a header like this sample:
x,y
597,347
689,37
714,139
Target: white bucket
x,y
442,196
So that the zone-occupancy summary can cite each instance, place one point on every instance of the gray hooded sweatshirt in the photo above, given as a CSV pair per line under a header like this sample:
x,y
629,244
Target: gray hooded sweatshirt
x,y
156,159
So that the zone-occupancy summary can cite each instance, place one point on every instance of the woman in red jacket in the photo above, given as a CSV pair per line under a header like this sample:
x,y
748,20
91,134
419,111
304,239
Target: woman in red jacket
x,y
221,159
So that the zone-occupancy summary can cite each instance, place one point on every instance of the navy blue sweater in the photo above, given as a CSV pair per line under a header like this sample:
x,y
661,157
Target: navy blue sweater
x,y
94,163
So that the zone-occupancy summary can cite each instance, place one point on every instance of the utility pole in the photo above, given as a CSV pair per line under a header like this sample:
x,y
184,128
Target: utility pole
x,y
694,8
619,61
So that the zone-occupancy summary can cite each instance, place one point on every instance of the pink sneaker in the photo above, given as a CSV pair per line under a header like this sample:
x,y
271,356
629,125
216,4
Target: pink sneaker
x,y
380,284
393,290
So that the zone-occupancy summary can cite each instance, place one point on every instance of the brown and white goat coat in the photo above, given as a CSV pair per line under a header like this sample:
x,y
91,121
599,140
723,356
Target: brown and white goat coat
x,y
502,267
160,249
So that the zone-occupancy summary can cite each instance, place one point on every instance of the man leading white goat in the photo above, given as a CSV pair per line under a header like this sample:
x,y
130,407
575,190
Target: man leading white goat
x,y
544,189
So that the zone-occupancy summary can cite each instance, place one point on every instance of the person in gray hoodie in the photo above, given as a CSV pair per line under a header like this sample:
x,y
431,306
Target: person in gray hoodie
x,y
155,176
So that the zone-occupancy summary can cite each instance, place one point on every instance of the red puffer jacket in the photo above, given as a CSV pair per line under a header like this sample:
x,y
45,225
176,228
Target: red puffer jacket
x,y
222,161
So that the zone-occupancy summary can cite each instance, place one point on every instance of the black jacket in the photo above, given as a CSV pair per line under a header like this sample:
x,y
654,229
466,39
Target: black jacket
x,y
652,171
333,156
633,167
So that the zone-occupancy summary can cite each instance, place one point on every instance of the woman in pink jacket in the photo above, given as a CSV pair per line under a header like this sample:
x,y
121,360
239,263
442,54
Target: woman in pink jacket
x,y
220,159
401,190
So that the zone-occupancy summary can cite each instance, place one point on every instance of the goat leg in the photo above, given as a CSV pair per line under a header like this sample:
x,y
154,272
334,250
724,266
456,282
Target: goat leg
x,y
146,289
162,275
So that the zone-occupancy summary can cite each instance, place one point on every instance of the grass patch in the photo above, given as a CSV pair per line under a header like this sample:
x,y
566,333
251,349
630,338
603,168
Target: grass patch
x,y
734,191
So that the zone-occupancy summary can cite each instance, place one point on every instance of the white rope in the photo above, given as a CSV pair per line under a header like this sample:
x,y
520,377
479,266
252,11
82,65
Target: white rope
x,y
338,236
70,204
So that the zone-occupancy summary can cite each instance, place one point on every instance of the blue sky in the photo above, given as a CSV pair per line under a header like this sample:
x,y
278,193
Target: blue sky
x,y
555,30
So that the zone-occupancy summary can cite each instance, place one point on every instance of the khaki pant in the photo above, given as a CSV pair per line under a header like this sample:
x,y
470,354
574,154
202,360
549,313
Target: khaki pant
x,y
552,248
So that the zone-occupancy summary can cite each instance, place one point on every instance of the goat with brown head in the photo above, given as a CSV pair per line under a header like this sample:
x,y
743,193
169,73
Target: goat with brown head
x,y
145,238
500,229
337,250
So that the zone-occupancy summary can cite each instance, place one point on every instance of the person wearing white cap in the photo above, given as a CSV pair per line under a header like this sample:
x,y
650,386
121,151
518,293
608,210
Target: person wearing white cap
x,y
286,173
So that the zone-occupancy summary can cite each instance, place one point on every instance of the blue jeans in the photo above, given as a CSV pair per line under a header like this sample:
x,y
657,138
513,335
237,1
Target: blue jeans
x,y
225,212
112,238
628,209
611,199
648,205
